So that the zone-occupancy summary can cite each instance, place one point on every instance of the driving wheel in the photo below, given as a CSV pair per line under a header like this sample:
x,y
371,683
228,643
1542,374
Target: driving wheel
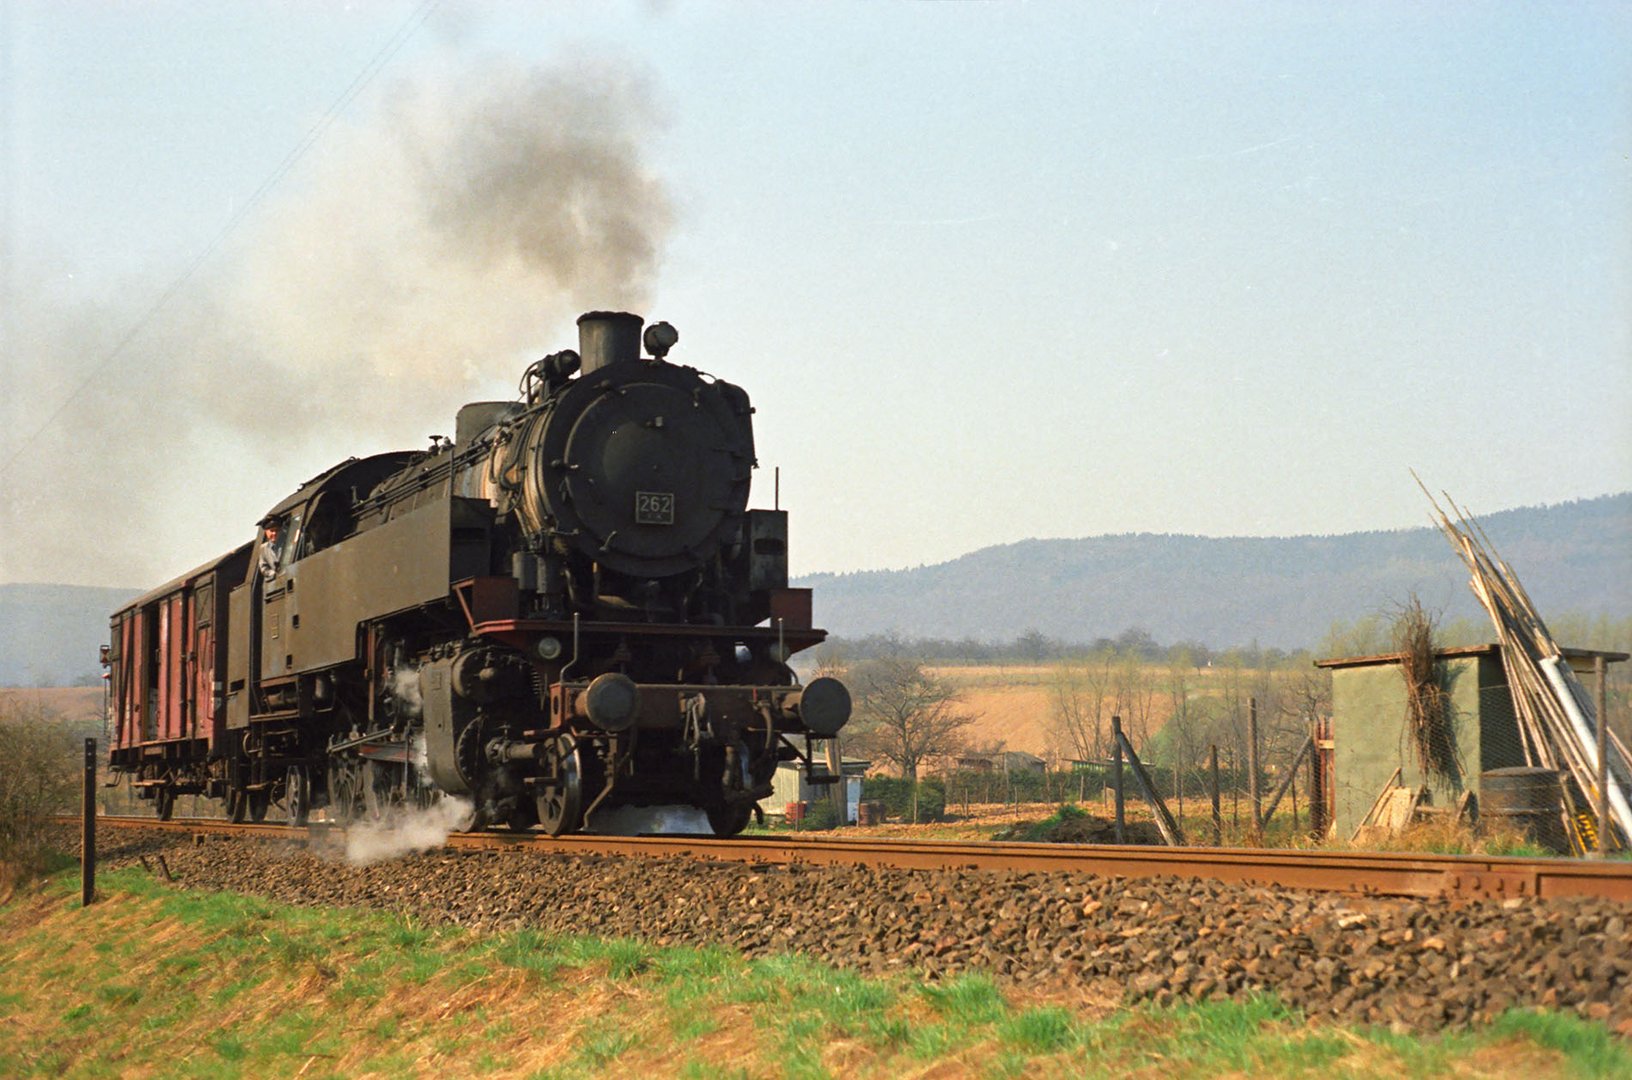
x,y
343,792
297,795
523,815
379,790
729,819
561,797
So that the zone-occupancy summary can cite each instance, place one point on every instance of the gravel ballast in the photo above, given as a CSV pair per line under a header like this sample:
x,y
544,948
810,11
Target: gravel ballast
x,y
1412,965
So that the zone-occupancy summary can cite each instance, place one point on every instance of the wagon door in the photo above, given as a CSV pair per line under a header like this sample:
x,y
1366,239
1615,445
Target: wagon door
x,y
126,663
147,700
204,689
173,632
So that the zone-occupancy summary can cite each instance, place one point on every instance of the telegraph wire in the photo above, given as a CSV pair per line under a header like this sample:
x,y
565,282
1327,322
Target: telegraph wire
x,y
387,52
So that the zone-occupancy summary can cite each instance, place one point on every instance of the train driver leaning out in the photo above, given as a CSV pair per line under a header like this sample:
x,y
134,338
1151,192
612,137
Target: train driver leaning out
x,y
270,550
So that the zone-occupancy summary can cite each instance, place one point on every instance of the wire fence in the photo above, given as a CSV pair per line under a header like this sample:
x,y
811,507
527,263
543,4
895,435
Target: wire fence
x,y
1389,795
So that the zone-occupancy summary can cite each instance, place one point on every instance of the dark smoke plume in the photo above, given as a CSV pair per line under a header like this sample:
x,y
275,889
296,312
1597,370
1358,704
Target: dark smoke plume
x,y
417,259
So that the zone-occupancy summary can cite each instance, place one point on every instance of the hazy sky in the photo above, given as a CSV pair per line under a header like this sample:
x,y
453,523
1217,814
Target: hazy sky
x,y
989,271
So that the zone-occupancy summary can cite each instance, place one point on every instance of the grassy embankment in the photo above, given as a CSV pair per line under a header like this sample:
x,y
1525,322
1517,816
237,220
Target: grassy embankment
x,y
162,982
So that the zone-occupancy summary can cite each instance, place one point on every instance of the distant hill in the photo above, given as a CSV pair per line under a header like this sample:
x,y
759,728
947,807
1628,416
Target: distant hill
x,y
49,633
1572,558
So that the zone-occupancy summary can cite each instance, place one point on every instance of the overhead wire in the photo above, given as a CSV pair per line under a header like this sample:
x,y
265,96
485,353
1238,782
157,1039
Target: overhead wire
x,y
387,52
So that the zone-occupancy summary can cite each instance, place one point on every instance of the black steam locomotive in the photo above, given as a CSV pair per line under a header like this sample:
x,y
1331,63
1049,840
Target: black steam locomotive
x,y
566,608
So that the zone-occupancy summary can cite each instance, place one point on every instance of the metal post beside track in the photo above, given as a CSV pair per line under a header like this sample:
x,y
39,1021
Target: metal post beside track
x,y
87,853
1116,779
1218,813
1253,785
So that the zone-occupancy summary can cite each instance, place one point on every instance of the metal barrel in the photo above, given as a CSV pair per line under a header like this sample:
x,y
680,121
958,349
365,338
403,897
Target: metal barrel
x,y
869,813
1528,800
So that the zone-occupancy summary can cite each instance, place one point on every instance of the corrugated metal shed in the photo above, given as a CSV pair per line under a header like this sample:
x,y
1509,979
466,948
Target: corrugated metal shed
x,y
790,785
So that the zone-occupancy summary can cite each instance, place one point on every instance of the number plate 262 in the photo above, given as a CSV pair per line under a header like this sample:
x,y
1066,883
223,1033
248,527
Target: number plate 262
x,y
654,508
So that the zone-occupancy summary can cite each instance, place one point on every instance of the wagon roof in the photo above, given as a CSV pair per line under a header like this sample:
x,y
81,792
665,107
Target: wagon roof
x,y
177,582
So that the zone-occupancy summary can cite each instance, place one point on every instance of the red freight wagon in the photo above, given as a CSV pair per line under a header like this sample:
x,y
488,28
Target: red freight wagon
x,y
166,658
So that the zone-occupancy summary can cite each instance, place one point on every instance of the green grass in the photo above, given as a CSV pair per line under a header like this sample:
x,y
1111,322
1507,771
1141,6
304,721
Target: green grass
x,y
1590,1048
1041,1031
251,988
970,1000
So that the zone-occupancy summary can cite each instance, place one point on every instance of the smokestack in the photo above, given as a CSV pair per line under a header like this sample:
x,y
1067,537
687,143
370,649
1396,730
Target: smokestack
x,y
608,337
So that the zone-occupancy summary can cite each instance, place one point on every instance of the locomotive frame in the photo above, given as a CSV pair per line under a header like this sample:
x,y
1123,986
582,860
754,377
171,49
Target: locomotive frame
x,y
565,608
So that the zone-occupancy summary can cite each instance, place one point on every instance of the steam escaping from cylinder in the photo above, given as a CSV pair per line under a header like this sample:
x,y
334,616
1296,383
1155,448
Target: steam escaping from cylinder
x,y
404,691
646,820
421,255
407,831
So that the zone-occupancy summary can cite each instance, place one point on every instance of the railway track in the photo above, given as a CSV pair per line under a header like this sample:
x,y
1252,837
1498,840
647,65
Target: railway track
x,y
1366,873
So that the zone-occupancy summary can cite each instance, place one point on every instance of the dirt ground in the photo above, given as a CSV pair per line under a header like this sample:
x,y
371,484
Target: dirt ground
x,y
1011,705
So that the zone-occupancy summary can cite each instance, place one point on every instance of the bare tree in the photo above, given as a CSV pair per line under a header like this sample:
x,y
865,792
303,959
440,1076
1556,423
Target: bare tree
x,y
1083,703
1135,696
905,715
1185,722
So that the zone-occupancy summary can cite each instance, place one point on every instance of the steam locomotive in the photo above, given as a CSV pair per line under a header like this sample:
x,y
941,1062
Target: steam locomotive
x,y
565,608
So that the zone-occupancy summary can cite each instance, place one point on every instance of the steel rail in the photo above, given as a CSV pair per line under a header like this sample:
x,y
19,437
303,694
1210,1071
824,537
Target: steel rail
x,y
1365,873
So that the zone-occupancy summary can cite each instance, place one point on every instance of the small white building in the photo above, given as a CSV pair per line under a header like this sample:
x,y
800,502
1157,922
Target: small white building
x,y
790,784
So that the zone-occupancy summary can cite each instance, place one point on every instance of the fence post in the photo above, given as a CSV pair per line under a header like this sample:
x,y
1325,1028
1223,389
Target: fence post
x,y
1178,786
1235,794
87,853
1116,779
1218,816
1172,835
1295,767
1290,781
1253,788
1601,804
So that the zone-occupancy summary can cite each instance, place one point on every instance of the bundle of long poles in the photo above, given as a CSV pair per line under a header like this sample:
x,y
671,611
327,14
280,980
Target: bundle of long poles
x,y
1556,718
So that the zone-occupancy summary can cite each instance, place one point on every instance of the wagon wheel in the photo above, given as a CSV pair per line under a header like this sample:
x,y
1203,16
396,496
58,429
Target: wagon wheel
x,y
729,819
561,803
297,795
259,801
237,805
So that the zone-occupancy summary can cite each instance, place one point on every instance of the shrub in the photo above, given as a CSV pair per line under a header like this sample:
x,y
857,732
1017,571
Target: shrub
x,y
896,795
820,814
39,777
